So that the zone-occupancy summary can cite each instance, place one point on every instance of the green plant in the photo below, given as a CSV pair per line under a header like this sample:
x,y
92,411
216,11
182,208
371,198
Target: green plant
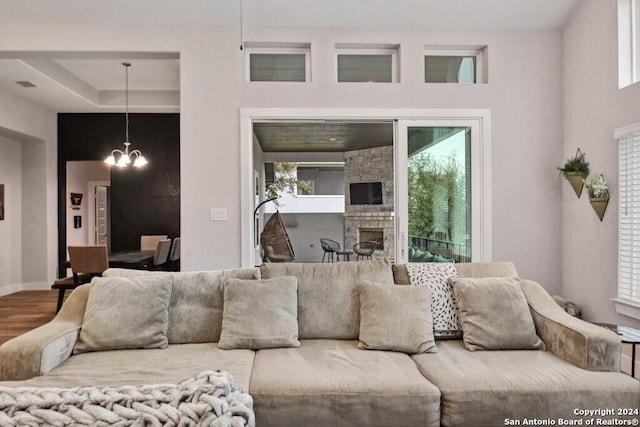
x,y
576,163
286,180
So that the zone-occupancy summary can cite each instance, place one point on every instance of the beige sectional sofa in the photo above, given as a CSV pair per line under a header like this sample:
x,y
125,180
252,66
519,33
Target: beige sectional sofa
x,y
322,375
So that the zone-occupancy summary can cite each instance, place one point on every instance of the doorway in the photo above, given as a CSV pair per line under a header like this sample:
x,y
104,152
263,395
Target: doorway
x,y
477,121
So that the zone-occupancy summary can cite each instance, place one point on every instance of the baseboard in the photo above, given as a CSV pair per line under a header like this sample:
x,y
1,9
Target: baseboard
x,y
9,289
36,286
32,286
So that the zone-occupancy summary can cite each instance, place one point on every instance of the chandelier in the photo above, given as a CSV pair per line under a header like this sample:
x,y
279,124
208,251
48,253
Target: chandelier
x,y
125,157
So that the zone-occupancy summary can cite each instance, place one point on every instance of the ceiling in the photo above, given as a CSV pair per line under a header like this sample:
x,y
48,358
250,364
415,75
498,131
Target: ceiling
x,y
94,82
322,136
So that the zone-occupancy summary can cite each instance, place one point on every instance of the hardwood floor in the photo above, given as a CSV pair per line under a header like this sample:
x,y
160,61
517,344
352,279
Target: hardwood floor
x,y
25,310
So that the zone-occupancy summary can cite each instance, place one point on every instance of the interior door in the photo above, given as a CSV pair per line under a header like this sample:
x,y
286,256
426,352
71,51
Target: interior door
x,y
438,199
101,222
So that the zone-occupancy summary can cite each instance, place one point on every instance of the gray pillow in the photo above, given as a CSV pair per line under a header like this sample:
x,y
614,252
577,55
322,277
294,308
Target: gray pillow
x,y
260,314
395,318
126,313
494,314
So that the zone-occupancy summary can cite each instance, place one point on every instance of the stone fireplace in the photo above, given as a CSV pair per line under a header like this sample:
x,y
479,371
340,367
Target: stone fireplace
x,y
373,235
370,222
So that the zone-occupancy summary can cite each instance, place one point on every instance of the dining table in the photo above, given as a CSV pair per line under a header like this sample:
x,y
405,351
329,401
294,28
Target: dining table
x,y
130,259
135,259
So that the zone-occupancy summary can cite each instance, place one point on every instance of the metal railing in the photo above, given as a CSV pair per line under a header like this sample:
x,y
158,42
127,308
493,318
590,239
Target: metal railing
x,y
445,248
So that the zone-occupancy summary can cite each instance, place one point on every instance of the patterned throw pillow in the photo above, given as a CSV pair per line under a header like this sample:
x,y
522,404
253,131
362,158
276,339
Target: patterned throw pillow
x,y
444,309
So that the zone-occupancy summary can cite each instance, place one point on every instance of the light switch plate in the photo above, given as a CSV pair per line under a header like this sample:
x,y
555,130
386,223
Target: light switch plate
x,y
218,214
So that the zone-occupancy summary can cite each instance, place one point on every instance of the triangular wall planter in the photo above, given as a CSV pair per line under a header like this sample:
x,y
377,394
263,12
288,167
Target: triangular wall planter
x,y
599,205
576,179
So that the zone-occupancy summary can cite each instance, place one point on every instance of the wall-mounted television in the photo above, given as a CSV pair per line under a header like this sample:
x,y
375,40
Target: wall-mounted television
x,y
366,193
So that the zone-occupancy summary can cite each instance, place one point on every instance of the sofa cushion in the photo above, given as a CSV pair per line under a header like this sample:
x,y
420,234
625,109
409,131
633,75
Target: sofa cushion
x,y
126,313
139,367
444,309
494,314
328,303
486,388
395,318
333,383
260,313
195,313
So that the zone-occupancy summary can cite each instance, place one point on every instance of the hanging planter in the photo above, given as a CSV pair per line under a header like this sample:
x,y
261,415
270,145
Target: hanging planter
x,y
599,205
576,169
598,192
576,179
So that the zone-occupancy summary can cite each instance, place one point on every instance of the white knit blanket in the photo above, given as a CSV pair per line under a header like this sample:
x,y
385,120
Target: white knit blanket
x,y
209,399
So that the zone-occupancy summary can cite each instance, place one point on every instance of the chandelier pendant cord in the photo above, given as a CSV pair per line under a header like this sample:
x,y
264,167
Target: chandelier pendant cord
x,y
126,101
241,28
125,157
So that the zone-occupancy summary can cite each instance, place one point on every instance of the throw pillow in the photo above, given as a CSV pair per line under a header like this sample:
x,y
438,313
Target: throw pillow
x,y
444,309
260,314
126,313
395,318
494,314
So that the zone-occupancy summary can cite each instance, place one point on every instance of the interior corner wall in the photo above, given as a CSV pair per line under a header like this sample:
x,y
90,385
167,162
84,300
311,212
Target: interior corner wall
x,y
34,242
593,108
11,226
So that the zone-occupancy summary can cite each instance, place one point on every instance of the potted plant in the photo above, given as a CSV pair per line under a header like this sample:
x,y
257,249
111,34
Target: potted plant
x,y
576,169
598,192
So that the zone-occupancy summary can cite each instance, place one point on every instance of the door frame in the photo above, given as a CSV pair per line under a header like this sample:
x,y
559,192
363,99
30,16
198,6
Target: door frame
x,y
91,207
250,115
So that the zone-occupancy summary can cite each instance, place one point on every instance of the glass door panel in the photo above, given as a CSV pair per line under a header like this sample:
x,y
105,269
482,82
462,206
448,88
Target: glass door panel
x,y
435,176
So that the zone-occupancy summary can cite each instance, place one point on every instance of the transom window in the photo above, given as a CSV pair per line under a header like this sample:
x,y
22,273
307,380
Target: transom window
x,y
454,65
278,64
367,64
628,42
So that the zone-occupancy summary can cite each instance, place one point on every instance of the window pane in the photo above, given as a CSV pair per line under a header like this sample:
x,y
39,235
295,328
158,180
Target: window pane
x,y
365,68
439,186
277,67
449,69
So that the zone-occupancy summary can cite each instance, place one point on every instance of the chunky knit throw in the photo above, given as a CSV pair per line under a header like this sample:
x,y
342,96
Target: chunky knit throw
x,y
209,399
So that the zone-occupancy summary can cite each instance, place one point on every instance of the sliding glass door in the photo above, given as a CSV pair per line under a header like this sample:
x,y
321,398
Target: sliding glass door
x,y
440,190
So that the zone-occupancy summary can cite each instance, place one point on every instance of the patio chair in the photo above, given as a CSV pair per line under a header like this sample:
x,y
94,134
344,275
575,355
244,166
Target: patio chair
x,y
329,248
364,249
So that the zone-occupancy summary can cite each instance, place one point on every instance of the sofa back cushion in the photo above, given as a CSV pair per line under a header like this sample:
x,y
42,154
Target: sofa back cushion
x,y
328,300
195,312
124,313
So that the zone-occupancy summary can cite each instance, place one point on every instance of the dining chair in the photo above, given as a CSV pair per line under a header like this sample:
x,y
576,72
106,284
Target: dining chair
x,y
174,256
86,262
161,256
148,242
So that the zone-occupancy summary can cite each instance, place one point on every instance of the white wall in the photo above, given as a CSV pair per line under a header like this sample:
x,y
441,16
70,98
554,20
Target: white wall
x,y
593,108
36,129
11,227
524,95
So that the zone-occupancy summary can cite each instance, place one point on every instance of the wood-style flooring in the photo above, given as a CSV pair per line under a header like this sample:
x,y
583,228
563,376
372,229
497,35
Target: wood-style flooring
x,y
22,311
